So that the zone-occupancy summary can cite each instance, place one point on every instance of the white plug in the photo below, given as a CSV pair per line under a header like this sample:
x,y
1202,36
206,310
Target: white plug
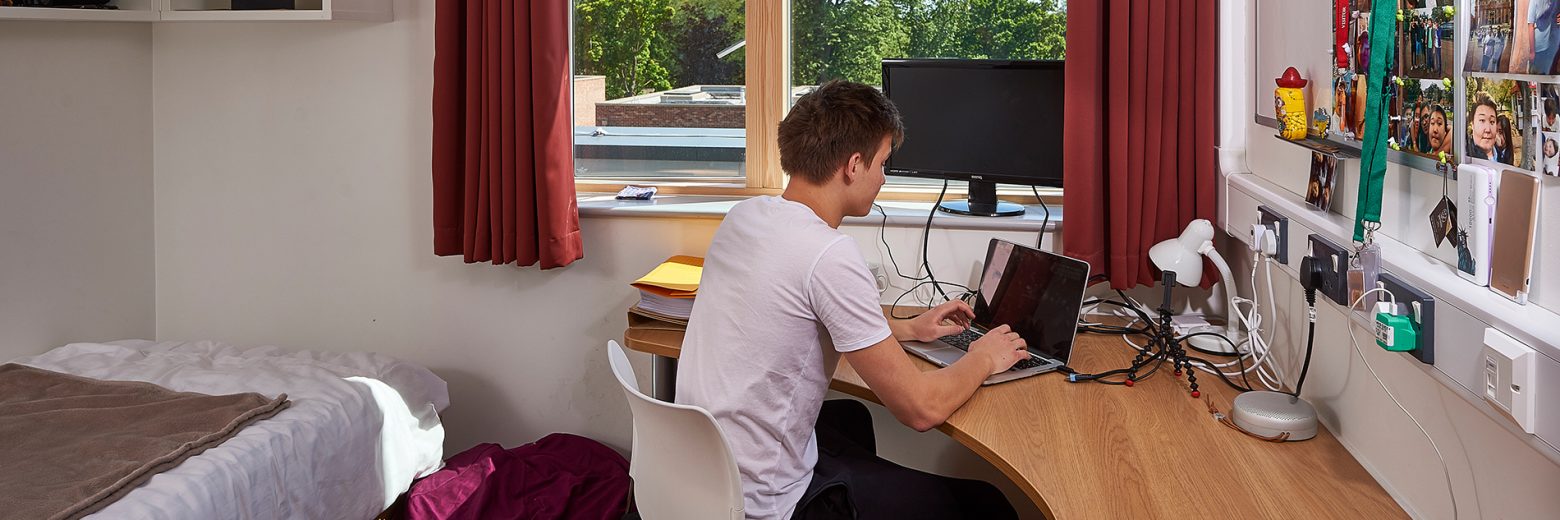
x,y
1257,232
1264,239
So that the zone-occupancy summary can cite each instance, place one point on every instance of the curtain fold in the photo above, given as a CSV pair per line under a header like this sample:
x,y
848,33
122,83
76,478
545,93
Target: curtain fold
x,y
1142,109
503,164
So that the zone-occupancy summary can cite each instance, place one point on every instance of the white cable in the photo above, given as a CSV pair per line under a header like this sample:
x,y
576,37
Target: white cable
x,y
1258,348
1445,470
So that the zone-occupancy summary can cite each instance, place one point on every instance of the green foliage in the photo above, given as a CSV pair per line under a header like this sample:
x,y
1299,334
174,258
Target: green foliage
x,y
846,38
643,45
623,40
699,31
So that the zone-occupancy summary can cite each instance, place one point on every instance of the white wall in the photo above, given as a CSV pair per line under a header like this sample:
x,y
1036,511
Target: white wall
x,y
294,208
1496,471
75,184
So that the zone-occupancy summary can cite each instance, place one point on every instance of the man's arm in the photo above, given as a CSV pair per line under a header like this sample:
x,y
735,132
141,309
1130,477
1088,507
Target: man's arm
x,y
923,400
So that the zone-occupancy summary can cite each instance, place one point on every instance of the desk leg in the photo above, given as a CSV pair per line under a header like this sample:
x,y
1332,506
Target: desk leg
x,y
663,378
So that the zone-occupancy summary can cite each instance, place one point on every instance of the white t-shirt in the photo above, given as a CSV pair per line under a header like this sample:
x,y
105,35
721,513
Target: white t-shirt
x,y
782,295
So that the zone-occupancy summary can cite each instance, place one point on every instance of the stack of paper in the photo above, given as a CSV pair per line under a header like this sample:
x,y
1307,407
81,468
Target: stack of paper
x,y
667,293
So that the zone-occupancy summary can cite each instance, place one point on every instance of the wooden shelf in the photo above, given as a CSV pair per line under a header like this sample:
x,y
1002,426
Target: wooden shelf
x,y
298,15
306,11
209,11
78,15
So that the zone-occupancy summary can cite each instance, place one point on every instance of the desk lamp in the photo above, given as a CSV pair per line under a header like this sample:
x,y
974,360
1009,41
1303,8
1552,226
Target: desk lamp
x,y
1273,416
1183,256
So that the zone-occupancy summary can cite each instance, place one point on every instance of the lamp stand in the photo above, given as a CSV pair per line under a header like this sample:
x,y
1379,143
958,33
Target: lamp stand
x,y
1164,345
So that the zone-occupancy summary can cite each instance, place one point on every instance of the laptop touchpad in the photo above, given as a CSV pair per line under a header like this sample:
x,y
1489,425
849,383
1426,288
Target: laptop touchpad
x,y
944,354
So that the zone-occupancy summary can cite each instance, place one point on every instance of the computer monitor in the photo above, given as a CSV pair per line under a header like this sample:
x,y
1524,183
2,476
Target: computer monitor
x,y
982,121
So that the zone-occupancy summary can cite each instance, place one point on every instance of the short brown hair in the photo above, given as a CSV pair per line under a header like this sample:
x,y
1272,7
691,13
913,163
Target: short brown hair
x,y
832,122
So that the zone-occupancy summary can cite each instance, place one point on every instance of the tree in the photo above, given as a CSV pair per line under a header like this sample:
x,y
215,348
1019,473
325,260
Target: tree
x,y
848,38
700,30
620,39
844,39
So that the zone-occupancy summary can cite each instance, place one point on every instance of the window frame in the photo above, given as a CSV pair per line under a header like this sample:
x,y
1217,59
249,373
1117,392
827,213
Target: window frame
x,y
768,83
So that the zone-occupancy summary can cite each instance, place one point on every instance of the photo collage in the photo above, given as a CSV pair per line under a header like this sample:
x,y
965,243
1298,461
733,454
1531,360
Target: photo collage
x,y
1502,122
1514,37
1514,122
1420,112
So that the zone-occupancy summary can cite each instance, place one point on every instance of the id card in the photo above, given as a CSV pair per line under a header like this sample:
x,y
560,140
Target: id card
x,y
1364,269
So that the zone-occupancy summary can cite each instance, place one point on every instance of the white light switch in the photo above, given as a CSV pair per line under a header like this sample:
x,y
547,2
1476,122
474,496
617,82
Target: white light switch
x,y
1509,377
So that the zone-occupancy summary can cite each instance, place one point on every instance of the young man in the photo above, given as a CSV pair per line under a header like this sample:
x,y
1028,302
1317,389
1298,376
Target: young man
x,y
785,294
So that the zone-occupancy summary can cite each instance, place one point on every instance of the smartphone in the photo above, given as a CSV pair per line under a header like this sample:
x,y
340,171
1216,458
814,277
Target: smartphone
x,y
1516,218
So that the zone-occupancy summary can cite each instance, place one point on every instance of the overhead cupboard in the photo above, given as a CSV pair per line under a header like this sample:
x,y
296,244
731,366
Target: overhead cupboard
x,y
204,11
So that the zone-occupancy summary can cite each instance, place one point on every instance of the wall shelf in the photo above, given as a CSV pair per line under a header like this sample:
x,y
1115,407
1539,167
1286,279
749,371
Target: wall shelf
x,y
208,11
128,11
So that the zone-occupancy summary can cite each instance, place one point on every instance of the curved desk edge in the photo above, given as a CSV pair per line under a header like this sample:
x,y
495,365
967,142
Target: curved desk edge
x,y
668,343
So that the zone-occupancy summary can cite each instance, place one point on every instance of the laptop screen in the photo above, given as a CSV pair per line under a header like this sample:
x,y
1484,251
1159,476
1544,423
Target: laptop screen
x,y
1038,294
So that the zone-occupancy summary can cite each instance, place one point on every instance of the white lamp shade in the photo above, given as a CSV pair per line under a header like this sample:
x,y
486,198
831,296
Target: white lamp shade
x,y
1181,255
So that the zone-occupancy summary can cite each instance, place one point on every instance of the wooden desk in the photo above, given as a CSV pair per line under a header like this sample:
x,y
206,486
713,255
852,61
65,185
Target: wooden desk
x,y
1088,450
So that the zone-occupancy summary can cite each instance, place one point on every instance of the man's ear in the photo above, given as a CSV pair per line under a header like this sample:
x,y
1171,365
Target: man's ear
x,y
853,167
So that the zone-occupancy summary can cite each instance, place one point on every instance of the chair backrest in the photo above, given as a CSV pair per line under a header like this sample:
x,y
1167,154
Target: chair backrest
x,y
681,463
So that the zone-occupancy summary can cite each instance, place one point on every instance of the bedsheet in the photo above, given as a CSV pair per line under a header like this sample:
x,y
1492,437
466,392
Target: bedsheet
x,y
361,427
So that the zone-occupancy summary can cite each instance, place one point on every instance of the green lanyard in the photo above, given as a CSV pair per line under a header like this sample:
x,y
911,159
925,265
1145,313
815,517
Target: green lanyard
x,y
1373,149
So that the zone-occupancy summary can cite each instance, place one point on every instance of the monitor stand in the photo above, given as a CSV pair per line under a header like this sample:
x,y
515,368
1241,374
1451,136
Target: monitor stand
x,y
982,202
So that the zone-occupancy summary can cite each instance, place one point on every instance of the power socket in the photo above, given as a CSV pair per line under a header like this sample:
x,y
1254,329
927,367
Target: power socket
x,y
879,276
1278,224
1335,266
1419,306
1510,376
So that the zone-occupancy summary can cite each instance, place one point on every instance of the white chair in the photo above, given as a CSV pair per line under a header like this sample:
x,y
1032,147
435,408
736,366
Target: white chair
x,y
681,464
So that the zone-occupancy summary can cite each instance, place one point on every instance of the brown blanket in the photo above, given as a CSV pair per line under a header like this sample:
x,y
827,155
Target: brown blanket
x,y
70,445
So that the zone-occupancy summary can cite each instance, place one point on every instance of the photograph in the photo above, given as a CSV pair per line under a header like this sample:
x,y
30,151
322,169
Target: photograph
x,y
1425,45
1343,109
1549,106
1490,35
1319,189
1500,121
1549,156
1361,42
1423,118
1537,28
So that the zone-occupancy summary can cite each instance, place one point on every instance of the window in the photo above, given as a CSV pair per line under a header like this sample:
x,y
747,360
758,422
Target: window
x,y
669,91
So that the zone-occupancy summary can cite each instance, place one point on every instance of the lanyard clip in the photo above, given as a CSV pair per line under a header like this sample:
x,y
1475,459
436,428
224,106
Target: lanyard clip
x,y
1370,232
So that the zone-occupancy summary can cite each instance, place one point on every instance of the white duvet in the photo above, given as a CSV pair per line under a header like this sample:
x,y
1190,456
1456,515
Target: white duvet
x,y
361,426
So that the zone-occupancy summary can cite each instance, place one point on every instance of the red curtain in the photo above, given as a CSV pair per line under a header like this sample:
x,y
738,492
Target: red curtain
x,y
1141,115
503,167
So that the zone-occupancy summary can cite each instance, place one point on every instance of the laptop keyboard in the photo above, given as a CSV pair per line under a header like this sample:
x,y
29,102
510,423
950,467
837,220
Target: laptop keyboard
x,y
963,340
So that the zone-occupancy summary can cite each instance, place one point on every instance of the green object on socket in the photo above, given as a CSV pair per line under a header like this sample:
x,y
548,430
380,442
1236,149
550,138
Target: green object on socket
x,y
1396,333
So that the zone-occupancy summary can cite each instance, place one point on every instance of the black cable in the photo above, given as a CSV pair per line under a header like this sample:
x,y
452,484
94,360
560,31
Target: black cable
x,y
1310,339
1219,373
1040,242
926,234
1214,352
1215,368
894,307
882,227
1116,329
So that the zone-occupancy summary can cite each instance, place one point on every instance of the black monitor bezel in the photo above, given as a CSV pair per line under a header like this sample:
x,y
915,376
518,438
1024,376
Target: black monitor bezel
x,y
889,169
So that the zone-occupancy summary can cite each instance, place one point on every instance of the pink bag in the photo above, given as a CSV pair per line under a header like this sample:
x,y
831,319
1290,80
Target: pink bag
x,y
560,476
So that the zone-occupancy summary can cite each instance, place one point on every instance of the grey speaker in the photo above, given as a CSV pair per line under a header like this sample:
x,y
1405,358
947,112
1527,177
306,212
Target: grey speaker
x,y
1270,414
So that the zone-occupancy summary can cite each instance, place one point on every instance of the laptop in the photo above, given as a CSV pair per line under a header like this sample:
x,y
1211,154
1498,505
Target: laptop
x,y
1038,294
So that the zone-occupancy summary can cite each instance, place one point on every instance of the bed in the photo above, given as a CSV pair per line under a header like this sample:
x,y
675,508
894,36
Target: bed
x,y
360,427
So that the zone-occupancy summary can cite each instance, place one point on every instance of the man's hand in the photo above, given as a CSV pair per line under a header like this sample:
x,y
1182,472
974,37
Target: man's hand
x,y
949,318
1002,347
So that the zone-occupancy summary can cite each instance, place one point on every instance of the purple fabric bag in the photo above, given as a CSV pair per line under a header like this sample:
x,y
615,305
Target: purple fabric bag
x,y
560,476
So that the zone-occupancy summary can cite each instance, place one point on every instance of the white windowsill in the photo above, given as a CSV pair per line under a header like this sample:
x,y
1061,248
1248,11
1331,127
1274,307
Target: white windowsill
x,y
908,214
